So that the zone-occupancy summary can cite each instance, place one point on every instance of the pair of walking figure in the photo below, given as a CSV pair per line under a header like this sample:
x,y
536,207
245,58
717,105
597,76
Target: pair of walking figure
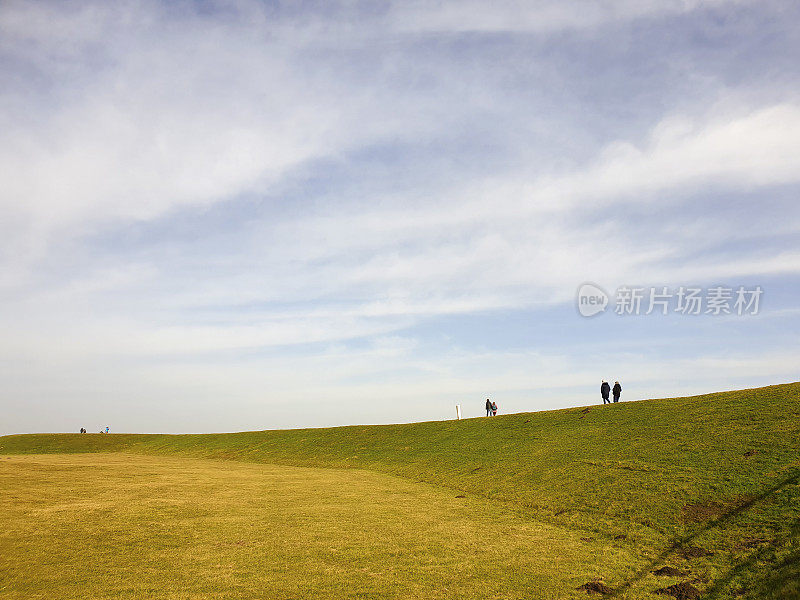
x,y
605,389
491,408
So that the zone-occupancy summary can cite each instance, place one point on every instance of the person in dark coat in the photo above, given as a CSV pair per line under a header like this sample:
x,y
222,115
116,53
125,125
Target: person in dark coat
x,y
604,391
617,391
488,407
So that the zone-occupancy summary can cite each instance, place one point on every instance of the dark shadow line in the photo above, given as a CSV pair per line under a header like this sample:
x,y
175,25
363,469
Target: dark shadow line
x,y
720,584
718,522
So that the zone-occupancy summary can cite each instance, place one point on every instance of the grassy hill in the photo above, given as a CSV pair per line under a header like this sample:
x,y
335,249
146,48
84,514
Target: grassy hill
x,y
664,479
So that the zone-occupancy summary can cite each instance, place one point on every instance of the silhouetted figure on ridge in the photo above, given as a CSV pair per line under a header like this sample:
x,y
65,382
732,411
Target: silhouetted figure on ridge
x,y
605,389
617,391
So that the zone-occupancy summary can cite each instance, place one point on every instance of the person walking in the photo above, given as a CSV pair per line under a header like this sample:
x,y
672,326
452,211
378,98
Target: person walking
x,y
604,391
617,391
488,407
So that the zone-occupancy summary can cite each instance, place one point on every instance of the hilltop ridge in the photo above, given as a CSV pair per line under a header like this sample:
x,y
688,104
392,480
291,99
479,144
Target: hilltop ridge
x,y
716,474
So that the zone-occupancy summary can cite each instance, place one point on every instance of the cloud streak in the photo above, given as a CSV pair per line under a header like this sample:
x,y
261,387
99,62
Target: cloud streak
x,y
188,184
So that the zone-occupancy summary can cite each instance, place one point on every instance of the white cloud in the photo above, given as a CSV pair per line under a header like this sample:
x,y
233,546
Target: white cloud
x,y
499,234
151,113
537,16
500,245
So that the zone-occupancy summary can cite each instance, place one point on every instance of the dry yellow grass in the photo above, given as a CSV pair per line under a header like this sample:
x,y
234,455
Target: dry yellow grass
x,y
126,526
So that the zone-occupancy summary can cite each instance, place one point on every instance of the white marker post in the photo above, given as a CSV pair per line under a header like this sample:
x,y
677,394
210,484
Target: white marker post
x,y
458,411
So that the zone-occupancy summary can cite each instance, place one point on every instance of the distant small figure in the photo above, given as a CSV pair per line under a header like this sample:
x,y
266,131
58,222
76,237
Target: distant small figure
x,y
494,409
83,430
106,429
617,391
604,391
488,407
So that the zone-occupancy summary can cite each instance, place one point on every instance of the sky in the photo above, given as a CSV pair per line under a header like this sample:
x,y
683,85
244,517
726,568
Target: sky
x,y
241,215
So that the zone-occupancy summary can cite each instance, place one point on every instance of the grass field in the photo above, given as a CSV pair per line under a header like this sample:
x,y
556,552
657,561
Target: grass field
x,y
519,506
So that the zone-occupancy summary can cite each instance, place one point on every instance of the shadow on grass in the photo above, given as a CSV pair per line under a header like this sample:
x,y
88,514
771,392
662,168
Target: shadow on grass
x,y
767,574
781,576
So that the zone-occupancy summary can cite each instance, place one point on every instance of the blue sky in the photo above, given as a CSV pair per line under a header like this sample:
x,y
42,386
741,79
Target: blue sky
x,y
221,216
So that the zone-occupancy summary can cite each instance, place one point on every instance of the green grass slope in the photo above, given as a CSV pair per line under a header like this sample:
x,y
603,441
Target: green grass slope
x,y
719,471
